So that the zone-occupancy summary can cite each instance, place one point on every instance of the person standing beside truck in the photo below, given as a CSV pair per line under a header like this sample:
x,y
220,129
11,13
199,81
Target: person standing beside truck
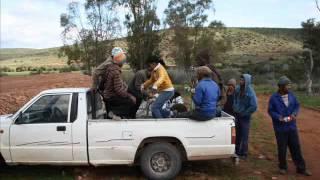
x,y
228,106
160,82
116,96
283,109
204,58
244,105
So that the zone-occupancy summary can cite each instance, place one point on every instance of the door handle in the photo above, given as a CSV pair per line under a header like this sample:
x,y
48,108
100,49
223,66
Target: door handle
x,y
61,128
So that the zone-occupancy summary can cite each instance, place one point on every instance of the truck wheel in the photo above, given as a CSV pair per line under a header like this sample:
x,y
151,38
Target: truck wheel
x,y
160,161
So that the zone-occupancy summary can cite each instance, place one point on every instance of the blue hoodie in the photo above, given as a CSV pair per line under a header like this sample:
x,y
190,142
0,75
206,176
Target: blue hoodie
x,y
206,96
247,104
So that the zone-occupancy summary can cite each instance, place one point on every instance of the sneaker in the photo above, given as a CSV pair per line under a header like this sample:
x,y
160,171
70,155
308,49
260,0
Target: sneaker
x,y
242,157
283,171
305,172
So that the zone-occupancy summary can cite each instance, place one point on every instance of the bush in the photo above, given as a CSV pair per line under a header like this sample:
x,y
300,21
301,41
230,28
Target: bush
x,y
5,69
65,69
21,69
179,76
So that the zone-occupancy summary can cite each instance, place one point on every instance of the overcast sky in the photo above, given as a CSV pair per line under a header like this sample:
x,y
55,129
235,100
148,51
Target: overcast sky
x,y
35,23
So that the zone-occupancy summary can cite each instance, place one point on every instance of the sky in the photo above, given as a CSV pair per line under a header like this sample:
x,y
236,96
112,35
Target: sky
x,y
35,23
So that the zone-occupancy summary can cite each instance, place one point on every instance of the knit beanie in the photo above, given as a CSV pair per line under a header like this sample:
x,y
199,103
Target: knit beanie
x,y
118,55
284,80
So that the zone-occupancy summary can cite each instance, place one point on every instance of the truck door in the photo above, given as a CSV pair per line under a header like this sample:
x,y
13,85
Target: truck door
x,y
42,132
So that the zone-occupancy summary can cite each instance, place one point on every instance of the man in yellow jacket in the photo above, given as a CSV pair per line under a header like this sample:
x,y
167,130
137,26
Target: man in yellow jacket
x,y
161,83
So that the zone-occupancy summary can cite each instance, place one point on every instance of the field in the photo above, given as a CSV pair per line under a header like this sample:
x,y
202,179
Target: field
x,y
262,162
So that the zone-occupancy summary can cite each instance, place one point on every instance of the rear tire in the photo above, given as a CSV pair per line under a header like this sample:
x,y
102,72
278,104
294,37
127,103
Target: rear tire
x,y
160,161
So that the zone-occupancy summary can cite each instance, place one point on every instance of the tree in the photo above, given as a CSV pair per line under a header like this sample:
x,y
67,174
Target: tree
x,y
89,39
317,5
142,25
311,53
187,19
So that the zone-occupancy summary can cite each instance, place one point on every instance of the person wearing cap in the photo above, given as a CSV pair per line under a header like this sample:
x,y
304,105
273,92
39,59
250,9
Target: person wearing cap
x,y
244,105
161,83
231,86
115,94
205,98
283,109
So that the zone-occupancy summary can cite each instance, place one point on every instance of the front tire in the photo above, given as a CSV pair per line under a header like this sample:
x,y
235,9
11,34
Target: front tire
x,y
160,161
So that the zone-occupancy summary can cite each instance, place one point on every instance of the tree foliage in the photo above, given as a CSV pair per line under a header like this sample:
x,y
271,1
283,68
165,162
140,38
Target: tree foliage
x,y
142,26
187,19
89,39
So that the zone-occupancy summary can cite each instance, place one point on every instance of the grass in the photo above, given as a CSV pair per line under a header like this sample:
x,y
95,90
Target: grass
x,y
309,101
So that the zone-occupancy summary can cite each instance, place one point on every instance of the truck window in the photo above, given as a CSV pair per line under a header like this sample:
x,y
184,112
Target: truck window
x,y
47,109
97,104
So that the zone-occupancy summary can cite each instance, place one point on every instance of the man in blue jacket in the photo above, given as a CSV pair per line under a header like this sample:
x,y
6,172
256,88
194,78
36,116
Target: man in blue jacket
x,y
283,109
244,105
205,97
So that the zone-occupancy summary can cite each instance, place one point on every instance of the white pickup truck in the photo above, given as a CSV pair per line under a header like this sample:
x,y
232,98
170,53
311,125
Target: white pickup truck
x,y
67,126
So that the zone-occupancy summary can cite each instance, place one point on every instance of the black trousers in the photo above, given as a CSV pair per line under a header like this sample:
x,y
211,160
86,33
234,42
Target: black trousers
x,y
194,115
121,106
290,139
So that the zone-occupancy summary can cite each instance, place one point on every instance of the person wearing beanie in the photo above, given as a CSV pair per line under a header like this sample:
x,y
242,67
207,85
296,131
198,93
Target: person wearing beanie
x,y
244,105
283,110
117,54
161,83
231,86
205,98
115,93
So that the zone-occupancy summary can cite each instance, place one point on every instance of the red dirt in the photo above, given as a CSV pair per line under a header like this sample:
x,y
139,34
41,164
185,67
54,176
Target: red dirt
x,y
16,91
309,131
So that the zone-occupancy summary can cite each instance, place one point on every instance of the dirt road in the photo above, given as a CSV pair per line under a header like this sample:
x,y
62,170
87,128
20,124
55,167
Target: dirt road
x,y
309,131
15,91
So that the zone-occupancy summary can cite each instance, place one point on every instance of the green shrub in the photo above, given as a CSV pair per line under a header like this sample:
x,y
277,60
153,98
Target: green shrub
x,y
65,69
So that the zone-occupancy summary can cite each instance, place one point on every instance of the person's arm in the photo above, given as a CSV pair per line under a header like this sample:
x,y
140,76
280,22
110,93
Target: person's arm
x,y
198,95
149,81
161,76
296,107
95,78
272,110
118,86
253,105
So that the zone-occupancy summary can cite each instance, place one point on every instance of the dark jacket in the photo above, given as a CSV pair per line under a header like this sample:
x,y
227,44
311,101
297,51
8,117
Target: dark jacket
x,y
206,96
114,85
228,106
277,108
247,104
135,84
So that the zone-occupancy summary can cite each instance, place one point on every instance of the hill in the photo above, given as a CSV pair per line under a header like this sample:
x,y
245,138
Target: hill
x,y
248,45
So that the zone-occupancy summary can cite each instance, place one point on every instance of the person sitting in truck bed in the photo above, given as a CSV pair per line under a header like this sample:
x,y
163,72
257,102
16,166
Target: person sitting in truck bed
x,y
117,99
161,83
205,98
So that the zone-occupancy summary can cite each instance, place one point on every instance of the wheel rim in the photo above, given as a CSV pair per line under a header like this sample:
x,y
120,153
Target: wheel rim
x,y
160,162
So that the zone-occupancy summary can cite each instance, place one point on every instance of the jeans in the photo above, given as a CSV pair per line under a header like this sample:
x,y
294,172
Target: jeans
x,y
290,139
195,115
242,135
156,109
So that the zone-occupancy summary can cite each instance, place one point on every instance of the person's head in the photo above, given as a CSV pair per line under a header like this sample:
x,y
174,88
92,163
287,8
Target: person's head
x,y
152,62
242,81
231,85
203,72
118,56
284,85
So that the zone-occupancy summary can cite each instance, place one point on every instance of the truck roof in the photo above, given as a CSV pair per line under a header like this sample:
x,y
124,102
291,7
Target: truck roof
x,y
65,90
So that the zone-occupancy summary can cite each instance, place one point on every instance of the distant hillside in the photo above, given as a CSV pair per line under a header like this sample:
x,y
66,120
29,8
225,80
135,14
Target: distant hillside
x,y
249,44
